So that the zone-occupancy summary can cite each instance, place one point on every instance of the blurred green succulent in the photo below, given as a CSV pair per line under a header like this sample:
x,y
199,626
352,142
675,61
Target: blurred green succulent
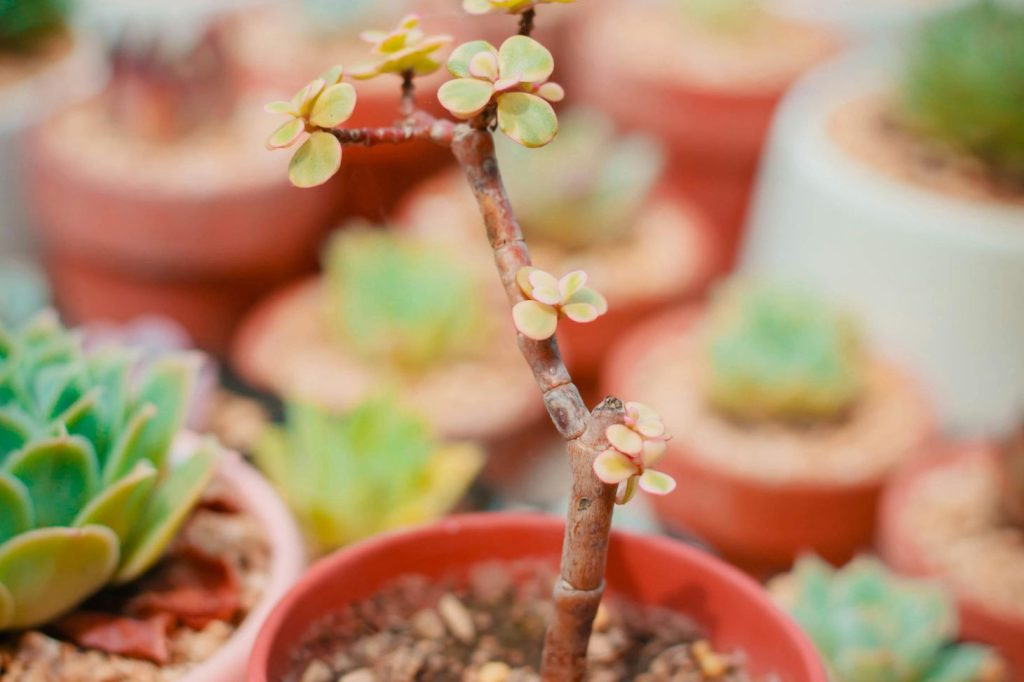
x,y
778,353
87,494
586,187
373,469
725,16
963,83
334,15
398,300
25,23
871,626
23,293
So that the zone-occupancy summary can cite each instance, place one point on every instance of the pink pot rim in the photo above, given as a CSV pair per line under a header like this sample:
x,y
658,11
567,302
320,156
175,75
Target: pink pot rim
x,y
331,567
617,374
287,561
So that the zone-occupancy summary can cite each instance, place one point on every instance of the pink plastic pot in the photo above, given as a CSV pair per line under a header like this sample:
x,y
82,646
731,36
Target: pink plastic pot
x,y
899,548
735,610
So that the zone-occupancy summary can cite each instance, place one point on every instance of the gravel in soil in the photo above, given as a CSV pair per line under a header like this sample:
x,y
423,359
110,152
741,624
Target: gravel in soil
x,y
490,628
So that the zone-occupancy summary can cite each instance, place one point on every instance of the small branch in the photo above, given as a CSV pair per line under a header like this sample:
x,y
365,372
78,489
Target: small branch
x,y
438,131
408,105
526,20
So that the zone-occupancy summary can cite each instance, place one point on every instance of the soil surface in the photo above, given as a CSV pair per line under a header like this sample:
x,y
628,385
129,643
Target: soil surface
x,y
888,423
218,529
954,516
490,629
867,129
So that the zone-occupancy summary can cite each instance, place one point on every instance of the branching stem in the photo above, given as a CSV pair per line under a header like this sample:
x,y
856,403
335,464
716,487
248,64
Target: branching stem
x,y
408,106
526,22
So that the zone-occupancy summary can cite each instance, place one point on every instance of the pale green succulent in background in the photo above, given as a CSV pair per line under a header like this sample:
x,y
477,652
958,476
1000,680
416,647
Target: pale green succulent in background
x,y
399,300
775,352
373,469
331,16
24,293
24,24
88,495
585,188
872,626
963,85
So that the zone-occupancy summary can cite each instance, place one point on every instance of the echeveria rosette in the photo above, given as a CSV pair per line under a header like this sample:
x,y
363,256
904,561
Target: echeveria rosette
x,y
636,445
549,298
869,624
324,104
514,77
370,470
403,50
88,494
506,6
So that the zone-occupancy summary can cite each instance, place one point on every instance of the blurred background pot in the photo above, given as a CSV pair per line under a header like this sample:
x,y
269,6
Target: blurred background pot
x,y
762,493
709,82
940,518
935,269
735,611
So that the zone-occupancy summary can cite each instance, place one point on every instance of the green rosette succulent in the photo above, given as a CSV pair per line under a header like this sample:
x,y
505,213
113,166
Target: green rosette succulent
x,y
963,84
373,469
88,496
26,23
400,301
587,187
775,353
871,626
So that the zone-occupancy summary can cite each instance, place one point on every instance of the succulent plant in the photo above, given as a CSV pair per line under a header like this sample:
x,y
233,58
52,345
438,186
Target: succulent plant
x,y
23,25
635,446
373,469
405,49
780,354
871,626
399,300
963,83
586,187
549,298
330,16
88,495
24,293
515,78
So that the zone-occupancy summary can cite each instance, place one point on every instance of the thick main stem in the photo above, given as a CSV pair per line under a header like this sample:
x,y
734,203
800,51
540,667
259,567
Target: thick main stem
x,y
584,552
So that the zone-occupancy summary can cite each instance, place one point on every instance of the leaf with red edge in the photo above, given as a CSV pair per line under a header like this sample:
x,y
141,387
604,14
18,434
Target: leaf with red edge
x,y
194,587
119,635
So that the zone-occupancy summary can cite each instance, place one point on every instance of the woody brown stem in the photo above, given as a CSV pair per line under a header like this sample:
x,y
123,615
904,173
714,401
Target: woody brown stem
x,y
408,105
436,130
584,553
526,22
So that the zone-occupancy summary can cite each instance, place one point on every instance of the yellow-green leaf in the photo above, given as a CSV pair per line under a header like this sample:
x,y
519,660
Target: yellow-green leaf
x,y
535,320
334,106
465,97
316,161
286,135
524,57
527,119
458,62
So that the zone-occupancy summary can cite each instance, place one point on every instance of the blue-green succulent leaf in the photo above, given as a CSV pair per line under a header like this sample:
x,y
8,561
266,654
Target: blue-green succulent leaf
x,y
60,475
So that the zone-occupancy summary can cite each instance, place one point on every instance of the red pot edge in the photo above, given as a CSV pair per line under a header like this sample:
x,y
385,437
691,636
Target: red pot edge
x,y
617,374
496,522
901,552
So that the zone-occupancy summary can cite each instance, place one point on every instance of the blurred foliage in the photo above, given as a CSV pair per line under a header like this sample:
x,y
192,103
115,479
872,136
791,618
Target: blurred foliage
x,y
964,83
24,24
89,494
23,293
779,353
585,188
726,16
398,300
374,469
871,626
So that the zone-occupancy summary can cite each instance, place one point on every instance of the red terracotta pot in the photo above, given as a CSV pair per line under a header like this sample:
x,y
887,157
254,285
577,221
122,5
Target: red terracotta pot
x,y
115,251
900,550
760,525
735,610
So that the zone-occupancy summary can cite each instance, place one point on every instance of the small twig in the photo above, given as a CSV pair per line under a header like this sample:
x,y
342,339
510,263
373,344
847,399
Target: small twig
x,y
526,20
408,105
438,131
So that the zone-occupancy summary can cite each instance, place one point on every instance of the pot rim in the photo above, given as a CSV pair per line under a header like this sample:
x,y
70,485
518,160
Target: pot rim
x,y
617,373
494,523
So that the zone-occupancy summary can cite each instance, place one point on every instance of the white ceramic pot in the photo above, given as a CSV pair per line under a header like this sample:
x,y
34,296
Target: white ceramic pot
x,y
938,280
76,76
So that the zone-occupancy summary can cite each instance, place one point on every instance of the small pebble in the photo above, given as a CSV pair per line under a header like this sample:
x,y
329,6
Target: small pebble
x,y
318,671
495,671
601,649
712,665
428,624
603,619
457,618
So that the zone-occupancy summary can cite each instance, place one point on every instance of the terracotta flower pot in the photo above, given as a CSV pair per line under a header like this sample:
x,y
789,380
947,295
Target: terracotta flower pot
x,y
761,523
734,610
713,128
201,256
902,550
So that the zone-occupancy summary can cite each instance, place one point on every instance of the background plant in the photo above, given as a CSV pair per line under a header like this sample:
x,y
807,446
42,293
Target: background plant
x,y
24,24
779,353
88,492
374,469
587,187
400,301
963,84
871,626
